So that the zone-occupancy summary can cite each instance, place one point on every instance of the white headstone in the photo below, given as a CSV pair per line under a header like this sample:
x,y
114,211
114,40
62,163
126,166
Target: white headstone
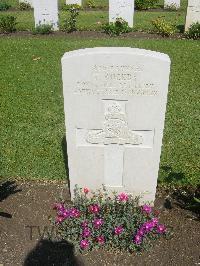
x,y
121,9
172,4
74,2
193,13
115,101
30,2
46,12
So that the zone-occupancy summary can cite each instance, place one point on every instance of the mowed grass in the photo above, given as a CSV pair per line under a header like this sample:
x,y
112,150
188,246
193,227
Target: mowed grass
x,y
32,117
93,20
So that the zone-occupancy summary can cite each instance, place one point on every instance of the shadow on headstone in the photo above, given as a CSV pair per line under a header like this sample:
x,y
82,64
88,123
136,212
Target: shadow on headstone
x,y
52,253
65,157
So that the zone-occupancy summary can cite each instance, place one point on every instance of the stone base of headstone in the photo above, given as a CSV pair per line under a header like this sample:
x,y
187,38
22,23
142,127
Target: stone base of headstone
x,y
30,2
193,13
46,12
174,4
121,9
74,2
115,109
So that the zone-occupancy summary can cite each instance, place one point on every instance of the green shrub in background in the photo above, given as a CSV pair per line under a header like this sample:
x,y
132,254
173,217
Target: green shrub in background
x,y
90,4
4,6
193,31
171,7
70,23
43,29
145,4
24,6
7,24
163,27
117,28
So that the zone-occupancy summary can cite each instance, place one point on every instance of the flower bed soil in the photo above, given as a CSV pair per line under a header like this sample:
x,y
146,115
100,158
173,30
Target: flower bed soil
x,y
93,34
30,207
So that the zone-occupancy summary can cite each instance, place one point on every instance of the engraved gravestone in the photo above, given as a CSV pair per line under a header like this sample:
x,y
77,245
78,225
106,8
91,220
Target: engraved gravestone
x,y
114,116
46,12
193,13
121,9
172,4
74,2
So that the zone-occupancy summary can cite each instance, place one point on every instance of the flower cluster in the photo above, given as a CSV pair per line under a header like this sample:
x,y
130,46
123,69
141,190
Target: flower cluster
x,y
101,220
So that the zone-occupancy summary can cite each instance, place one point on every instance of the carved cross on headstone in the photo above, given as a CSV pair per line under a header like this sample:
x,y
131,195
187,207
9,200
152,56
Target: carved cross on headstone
x,y
114,137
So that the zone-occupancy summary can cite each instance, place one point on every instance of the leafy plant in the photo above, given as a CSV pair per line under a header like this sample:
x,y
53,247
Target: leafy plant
x,y
91,4
171,7
24,6
145,4
163,27
43,29
116,28
4,6
7,24
109,221
69,24
193,31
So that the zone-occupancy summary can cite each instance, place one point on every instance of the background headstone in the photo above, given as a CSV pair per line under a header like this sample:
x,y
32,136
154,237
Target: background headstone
x,y
74,2
46,12
193,13
30,2
121,9
115,101
172,3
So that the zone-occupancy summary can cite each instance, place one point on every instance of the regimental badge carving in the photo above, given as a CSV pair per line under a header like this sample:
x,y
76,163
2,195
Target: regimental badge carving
x,y
115,129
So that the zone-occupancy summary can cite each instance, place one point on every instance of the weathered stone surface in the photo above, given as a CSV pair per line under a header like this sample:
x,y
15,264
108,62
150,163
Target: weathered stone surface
x,y
115,101
193,13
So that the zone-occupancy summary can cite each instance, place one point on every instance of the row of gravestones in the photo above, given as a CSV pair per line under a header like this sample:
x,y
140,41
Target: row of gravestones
x,y
46,11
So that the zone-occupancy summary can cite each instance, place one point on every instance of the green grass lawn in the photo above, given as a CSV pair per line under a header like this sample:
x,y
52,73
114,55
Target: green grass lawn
x,y
32,117
90,20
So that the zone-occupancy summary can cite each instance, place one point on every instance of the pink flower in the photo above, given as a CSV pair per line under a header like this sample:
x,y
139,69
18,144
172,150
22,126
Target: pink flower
x,y
161,229
84,244
75,213
97,223
84,224
141,231
59,219
147,209
94,208
86,190
148,226
154,221
137,240
86,232
123,197
118,230
58,206
101,240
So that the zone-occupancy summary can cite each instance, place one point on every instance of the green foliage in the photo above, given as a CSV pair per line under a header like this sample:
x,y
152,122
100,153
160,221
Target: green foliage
x,y
116,28
7,24
145,4
69,7
43,29
193,31
4,6
171,7
24,6
91,4
114,221
163,27
70,23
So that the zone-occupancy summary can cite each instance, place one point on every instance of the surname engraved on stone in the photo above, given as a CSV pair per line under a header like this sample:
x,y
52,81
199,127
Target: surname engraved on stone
x,y
115,129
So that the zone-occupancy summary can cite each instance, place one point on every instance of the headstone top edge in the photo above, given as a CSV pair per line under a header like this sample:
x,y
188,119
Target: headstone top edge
x,y
118,50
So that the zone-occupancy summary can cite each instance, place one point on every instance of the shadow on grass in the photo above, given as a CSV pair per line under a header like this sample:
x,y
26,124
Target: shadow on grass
x,y
7,188
49,253
64,150
171,176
